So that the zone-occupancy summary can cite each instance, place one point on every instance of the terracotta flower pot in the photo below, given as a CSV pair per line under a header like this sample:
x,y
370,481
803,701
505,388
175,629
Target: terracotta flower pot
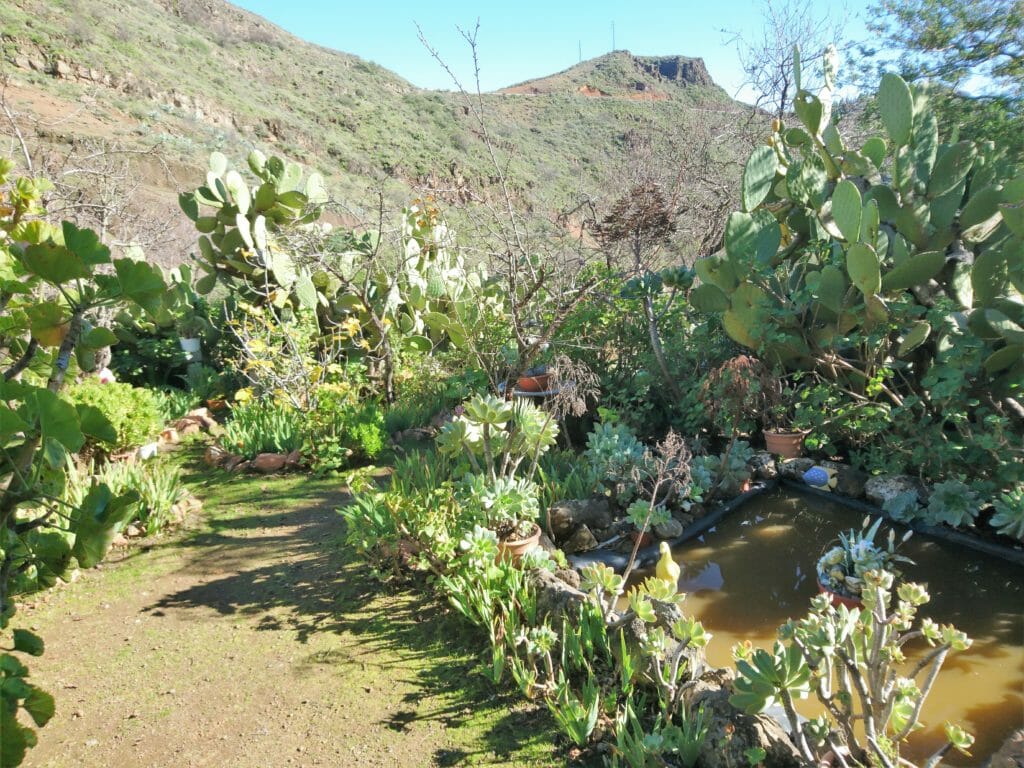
x,y
515,548
853,603
645,541
788,445
537,383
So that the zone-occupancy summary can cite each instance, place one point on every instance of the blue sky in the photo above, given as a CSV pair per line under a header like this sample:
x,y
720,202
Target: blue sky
x,y
527,39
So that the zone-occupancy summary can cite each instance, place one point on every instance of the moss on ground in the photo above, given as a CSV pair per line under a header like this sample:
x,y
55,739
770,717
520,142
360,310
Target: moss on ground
x,y
256,637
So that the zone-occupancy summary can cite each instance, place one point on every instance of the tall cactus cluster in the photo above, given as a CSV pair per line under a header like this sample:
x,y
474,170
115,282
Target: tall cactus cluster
x,y
369,297
849,259
410,292
237,226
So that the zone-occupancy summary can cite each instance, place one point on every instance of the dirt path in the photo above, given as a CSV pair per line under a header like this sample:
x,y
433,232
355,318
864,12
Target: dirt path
x,y
257,639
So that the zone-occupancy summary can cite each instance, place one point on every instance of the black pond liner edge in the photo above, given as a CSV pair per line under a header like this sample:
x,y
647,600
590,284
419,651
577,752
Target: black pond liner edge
x,y
648,556
1013,555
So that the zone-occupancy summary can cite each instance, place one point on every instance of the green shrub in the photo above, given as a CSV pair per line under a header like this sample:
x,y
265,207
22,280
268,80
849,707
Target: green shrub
x,y
158,486
343,432
135,413
262,426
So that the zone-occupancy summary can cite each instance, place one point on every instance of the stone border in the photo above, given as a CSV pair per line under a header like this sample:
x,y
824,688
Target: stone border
x,y
1013,555
648,556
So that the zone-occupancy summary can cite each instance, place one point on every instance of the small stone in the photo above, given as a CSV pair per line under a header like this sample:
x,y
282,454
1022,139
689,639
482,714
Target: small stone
x,y
215,456
763,466
581,541
794,469
570,576
269,463
881,488
566,516
671,529
849,481
1011,754
232,462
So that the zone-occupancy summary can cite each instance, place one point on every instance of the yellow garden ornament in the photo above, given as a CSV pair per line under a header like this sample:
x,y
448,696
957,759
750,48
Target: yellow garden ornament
x,y
667,568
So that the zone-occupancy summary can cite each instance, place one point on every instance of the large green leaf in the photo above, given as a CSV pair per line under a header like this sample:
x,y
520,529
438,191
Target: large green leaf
x,y
862,266
54,263
1013,215
874,150
708,297
988,277
48,322
13,745
39,705
28,642
951,167
917,270
896,104
95,521
58,419
832,288
94,423
1003,358
809,109
914,338
10,422
141,282
758,176
99,337
85,244
847,209
305,291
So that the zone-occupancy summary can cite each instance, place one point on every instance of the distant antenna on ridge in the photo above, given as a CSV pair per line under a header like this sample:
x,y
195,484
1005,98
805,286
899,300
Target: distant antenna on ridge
x,y
580,44
613,36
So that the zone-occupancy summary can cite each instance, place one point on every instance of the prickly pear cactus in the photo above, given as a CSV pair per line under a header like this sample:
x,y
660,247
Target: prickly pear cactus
x,y
837,241
237,225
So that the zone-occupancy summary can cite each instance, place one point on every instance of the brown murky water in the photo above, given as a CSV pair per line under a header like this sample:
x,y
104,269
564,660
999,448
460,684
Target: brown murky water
x,y
756,570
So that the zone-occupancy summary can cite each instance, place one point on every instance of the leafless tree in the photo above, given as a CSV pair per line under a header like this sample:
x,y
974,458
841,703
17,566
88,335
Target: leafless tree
x,y
767,56
544,266
97,183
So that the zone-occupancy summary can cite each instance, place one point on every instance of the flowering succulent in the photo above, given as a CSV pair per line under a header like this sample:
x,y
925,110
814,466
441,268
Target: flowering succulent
x,y
842,567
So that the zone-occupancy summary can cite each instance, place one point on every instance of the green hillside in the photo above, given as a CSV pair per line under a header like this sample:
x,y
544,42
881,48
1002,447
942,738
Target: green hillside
x,y
191,76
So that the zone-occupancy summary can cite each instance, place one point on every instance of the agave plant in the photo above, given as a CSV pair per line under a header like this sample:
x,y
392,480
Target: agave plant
x,y
842,567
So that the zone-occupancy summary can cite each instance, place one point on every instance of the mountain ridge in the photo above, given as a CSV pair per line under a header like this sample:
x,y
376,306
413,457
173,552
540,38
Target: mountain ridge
x,y
192,76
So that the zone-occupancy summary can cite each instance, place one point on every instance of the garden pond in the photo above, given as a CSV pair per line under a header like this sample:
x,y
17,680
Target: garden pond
x,y
756,569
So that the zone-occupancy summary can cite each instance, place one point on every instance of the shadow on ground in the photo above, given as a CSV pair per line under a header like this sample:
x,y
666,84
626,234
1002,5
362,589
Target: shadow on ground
x,y
274,550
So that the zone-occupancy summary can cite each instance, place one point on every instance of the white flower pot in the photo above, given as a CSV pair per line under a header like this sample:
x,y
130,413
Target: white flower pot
x,y
193,349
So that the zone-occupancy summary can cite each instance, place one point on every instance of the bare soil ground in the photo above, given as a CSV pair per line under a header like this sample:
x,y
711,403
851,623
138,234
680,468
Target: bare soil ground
x,y
256,638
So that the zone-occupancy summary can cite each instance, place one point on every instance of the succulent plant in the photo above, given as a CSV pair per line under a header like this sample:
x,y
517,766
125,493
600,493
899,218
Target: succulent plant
x,y
954,503
842,567
1009,516
616,461
903,507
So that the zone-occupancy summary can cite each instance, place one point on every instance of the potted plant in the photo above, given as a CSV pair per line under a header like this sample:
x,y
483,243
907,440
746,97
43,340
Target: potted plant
x,y
842,565
778,406
534,379
501,443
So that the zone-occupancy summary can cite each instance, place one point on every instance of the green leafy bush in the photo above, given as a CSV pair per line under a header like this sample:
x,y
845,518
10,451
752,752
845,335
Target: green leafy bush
x,y
156,486
262,426
617,461
341,431
135,413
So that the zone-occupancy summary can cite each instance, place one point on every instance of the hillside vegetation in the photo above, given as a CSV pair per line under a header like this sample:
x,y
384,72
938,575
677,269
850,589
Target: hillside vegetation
x,y
191,76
